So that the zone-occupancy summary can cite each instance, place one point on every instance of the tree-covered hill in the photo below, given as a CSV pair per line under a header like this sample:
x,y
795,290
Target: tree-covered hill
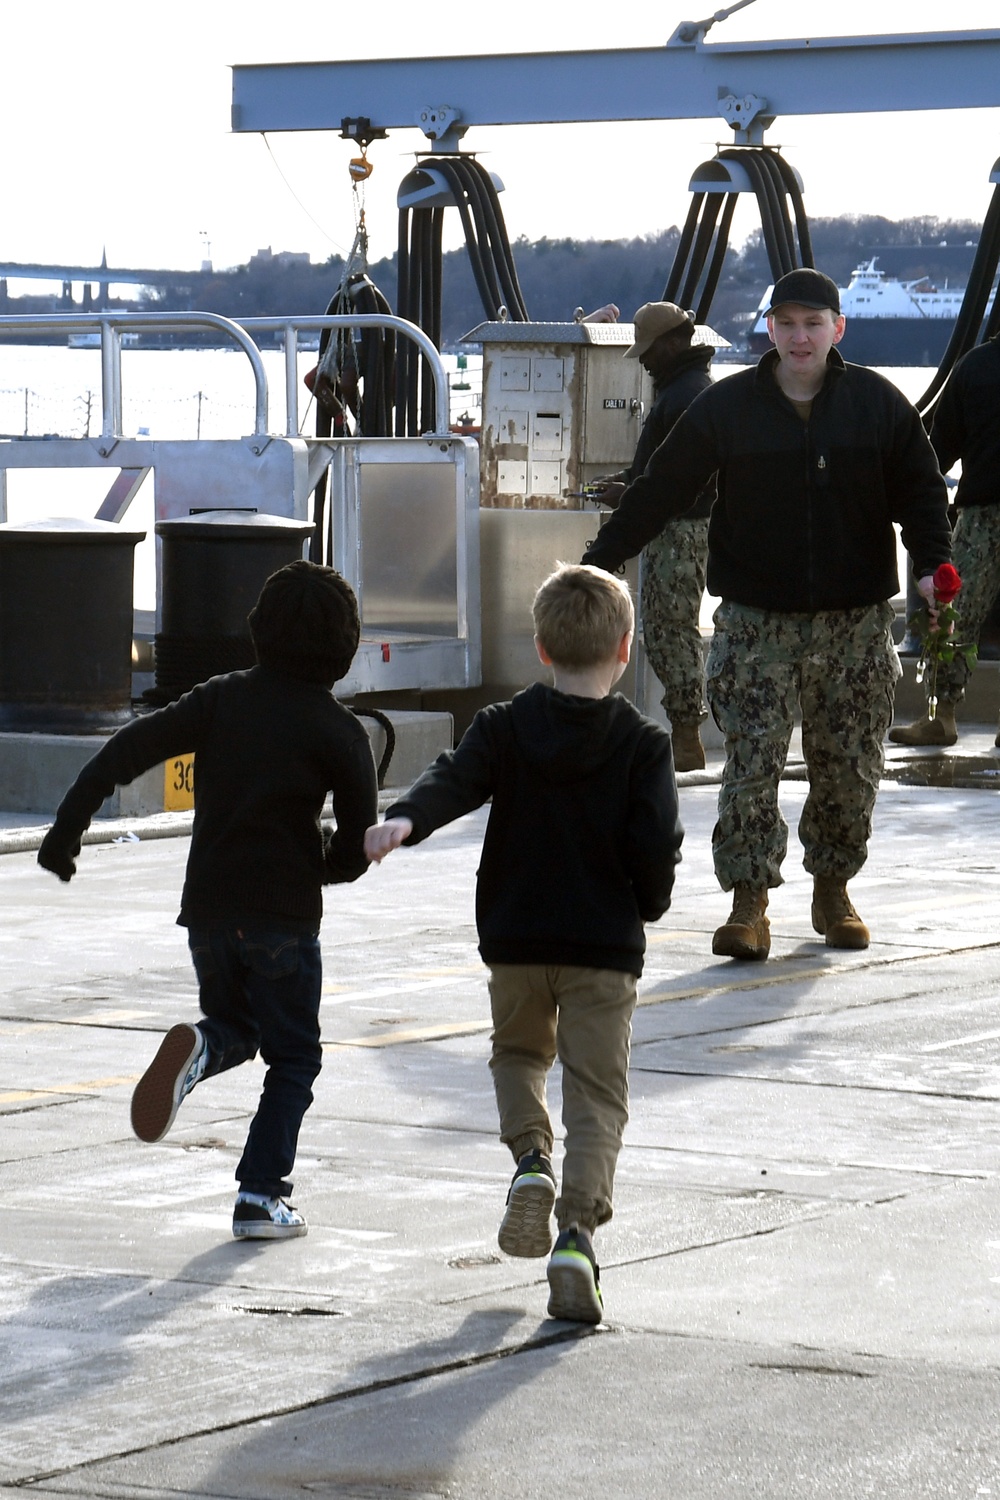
x,y
559,275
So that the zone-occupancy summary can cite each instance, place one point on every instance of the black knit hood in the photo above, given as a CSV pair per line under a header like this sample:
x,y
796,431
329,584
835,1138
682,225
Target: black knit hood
x,y
565,737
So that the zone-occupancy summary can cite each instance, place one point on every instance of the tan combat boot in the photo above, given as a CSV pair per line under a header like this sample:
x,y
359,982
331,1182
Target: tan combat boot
x,y
941,730
833,915
689,752
747,934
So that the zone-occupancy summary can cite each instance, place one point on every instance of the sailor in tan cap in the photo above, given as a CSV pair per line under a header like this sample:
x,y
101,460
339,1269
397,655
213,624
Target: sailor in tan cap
x,y
667,344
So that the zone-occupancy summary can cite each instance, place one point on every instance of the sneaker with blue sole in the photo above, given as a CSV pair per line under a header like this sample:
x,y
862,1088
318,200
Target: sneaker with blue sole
x,y
574,1279
173,1073
258,1217
525,1229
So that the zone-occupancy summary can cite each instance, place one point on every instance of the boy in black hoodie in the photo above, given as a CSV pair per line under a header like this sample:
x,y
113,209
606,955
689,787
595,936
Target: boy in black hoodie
x,y
269,744
579,853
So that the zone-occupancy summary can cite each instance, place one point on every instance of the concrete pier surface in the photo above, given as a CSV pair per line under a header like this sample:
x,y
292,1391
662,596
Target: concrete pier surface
x,y
802,1277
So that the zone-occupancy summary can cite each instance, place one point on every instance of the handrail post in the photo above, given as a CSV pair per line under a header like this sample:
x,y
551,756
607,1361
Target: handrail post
x,y
291,351
111,384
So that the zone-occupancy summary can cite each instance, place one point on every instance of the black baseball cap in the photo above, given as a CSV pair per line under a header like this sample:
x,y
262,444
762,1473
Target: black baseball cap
x,y
807,288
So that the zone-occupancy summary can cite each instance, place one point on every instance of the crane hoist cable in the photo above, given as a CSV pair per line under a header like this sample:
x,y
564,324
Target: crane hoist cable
x,y
420,273
701,250
354,376
392,390
969,323
714,271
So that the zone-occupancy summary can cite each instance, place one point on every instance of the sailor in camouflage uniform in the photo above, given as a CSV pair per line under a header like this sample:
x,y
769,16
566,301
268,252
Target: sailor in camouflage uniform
x,y
967,428
673,563
814,460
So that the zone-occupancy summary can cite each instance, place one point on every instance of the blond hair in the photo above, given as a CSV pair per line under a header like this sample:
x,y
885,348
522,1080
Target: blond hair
x,y
581,613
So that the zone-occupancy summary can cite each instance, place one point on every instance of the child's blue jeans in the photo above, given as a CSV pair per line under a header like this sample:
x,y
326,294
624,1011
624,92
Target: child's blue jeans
x,y
259,989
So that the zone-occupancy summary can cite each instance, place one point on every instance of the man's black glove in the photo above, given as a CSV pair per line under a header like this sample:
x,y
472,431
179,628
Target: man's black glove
x,y
58,853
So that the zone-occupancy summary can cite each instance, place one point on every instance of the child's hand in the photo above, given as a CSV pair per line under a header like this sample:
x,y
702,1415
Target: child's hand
x,y
382,838
58,855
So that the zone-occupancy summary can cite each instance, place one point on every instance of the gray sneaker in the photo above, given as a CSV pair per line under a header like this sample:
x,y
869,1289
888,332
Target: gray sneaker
x,y
257,1217
575,1279
526,1229
172,1074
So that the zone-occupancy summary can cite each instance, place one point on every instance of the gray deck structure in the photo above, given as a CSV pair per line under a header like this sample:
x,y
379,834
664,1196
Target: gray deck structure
x,y
802,1277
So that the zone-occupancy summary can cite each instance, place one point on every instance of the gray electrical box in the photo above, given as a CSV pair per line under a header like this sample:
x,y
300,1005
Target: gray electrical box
x,y
561,406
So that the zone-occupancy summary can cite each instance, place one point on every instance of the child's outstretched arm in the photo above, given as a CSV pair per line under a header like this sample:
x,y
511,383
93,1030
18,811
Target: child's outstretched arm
x,y
382,838
459,781
143,743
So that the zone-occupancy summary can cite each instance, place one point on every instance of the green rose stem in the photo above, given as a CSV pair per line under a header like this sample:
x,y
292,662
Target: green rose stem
x,y
939,644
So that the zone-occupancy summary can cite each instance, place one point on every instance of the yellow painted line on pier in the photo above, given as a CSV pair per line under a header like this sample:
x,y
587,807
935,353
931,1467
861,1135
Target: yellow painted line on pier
x,y
761,980
769,976
417,978
982,897
393,988
443,1029
103,1017
91,1086
94,1084
417,1034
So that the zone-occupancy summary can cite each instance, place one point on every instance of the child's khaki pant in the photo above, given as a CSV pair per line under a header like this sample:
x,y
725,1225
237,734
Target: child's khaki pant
x,y
584,1017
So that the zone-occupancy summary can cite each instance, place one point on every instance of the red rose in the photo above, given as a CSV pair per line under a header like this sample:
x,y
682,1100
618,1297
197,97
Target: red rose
x,y
946,583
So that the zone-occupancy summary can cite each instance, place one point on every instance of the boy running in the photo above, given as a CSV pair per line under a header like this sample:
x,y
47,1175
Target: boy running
x,y
269,745
580,848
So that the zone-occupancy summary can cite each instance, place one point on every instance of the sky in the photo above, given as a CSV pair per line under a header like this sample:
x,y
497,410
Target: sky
x,y
114,120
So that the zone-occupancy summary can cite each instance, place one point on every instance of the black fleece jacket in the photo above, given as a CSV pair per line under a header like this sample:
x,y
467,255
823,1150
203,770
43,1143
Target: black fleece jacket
x,y
803,519
967,425
674,391
268,749
583,834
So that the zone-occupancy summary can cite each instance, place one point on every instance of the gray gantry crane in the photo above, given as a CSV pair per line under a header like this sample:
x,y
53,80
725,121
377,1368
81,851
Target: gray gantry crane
x,y
747,85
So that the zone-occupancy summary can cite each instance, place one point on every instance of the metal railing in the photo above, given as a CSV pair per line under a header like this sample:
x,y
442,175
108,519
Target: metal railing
x,y
111,327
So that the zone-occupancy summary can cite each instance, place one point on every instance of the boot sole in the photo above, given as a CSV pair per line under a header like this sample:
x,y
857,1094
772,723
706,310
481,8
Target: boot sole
x,y
843,935
847,939
689,763
730,946
157,1095
941,742
243,1230
525,1230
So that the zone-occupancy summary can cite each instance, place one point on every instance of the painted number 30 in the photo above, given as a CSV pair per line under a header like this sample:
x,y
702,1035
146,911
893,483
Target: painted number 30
x,y
183,776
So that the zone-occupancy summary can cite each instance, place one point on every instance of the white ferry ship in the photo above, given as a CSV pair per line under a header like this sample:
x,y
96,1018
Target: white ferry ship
x,y
889,322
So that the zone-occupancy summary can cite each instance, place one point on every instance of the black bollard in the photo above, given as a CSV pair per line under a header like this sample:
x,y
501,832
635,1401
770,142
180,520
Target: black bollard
x,y
66,622
213,566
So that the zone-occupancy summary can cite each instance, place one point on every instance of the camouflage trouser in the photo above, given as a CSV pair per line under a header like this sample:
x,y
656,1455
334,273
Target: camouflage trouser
x,y
841,667
673,581
975,548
